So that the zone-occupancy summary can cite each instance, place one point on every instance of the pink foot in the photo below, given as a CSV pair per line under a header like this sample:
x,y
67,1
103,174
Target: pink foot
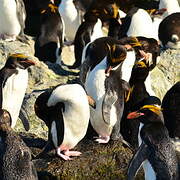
x,y
72,153
66,154
103,139
65,157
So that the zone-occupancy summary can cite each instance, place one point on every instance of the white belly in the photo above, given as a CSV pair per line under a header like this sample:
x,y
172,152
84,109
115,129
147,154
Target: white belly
x,y
148,170
8,18
13,94
70,17
95,88
141,25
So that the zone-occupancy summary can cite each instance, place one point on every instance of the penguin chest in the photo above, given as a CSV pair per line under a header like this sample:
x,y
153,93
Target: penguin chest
x,y
75,123
8,18
13,93
141,25
70,17
95,86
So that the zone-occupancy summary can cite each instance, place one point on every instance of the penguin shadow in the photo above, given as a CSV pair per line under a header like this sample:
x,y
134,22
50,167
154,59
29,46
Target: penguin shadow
x,y
62,69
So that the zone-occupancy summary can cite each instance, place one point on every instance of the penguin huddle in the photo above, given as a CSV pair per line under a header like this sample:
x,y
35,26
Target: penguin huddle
x,y
113,93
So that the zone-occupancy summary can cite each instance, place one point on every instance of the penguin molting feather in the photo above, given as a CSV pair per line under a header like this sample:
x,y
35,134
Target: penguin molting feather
x,y
15,157
156,151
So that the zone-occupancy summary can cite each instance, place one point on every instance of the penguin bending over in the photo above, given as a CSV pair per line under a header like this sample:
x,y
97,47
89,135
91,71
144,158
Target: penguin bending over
x,y
49,42
65,110
13,84
15,157
156,151
12,19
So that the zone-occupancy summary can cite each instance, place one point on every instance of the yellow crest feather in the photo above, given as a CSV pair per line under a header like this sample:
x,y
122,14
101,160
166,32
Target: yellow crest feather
x,y
152,108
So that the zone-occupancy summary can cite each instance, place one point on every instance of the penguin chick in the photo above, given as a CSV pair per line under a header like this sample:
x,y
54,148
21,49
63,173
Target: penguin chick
x,y
65,110
49,43
15,156
12,19
156,151
13,84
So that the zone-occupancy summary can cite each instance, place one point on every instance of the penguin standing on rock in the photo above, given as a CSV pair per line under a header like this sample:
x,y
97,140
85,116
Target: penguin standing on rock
x,y
49,42
12,19
13,84
65,110
105,85
156,151
15,157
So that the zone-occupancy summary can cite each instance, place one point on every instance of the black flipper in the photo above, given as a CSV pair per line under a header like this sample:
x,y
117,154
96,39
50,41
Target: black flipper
x,y
137,160
23,115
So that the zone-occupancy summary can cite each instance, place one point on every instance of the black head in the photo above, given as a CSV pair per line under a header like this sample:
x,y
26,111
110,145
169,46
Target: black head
x,y
18,60
117,54
150,111
5,120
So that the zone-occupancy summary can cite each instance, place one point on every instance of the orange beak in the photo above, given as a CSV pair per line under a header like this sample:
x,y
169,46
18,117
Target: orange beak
x,y
134,115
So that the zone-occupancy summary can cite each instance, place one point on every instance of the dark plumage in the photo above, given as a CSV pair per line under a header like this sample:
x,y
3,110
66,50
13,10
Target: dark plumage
x,y
169,31
156,146
171,110
49,42
15,157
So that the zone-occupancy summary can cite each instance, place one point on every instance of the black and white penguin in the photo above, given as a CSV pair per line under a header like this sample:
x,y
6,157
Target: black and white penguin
x,y
88,31
13,84
156,151
137,22
135,98
94,53
105,85
169,31
49,42
15,157
65,110
12,19
71,19
171,110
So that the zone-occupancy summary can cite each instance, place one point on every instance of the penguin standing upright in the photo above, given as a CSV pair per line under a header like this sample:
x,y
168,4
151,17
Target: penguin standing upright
x,y
88,31
70,17
49,42
13,84
156,151
65,110
105,85
15,157
12,19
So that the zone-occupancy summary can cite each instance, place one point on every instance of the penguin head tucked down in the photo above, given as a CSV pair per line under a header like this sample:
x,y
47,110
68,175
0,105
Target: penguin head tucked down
x,y
5,120
117,54
18,60
150,111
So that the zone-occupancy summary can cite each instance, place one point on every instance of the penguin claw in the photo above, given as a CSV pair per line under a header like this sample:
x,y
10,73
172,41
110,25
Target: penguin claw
x,y
103,140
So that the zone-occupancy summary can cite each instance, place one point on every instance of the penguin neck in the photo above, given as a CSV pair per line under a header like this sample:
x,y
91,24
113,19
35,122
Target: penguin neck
x,y
127,65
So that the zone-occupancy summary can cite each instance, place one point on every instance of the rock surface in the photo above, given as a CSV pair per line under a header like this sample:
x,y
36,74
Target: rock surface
x,y
97,161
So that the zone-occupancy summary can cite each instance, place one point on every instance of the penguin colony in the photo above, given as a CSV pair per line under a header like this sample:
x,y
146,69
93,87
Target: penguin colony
x,y
114,95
